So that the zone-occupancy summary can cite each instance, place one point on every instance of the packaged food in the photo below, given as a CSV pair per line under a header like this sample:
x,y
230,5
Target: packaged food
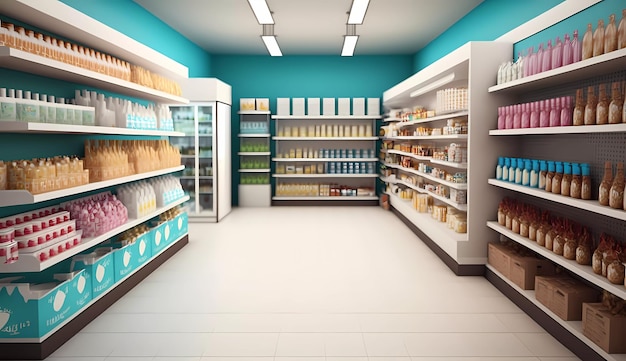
x,y
605,186
616,193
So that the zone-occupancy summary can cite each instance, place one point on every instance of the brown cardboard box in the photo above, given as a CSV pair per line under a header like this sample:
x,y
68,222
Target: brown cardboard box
x,y
499,257
603,328
522,270
564,295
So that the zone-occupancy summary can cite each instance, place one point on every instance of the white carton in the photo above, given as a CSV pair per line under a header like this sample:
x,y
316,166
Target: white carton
x,y
298,106
329,106
283,106
313,106
358,106
373,106
343,106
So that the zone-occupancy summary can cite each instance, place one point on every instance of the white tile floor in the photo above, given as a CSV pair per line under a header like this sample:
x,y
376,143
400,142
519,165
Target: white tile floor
x,y
311,284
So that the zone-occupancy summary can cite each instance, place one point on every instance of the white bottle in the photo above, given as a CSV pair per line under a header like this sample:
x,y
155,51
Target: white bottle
x,y
43,108
61,111
29,108
52,110
7,105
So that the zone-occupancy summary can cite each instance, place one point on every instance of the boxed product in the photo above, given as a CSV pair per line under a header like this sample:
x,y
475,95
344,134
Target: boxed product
x,y
564,295
522,270
343,106
283,106
358,106
31,308
99,267
604,328
499,256
298,106
313,106
128,256
328,106
262,104
179,225
247,104
161,236
373,106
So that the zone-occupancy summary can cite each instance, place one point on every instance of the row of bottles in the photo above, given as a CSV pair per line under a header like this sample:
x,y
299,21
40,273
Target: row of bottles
x,y
27,106
598,110
612,189
43,175
604,40
543,113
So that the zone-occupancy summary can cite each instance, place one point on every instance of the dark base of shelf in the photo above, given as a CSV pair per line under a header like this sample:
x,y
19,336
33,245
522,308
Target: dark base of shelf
x,y
458,269
39,351
322,203
573,343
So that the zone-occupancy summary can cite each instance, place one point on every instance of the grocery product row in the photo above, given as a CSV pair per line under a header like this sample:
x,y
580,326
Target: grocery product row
x,y
259,162
457,179
326,131
35,304
327,107
74,54
251,127
599,110
311,153
284,189
553,112
254,146
451,100
326,168
453,127
444,192
256,178
455,153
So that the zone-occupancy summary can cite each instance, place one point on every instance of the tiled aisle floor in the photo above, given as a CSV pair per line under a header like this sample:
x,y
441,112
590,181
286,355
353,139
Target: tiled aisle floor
x,y
311,284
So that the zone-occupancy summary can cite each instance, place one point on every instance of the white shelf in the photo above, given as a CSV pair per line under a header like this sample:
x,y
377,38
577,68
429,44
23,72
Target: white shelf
x,y
327,117
254,153
325,159
460,207
34,64
326,175
390,120
20,197
449,164
428,137
574,327
408,154
453,115
320,198
588,205
23,127
28,262
583,271
253,112
580,129
264,170
437,231
461,186
255,135
325,138
598,65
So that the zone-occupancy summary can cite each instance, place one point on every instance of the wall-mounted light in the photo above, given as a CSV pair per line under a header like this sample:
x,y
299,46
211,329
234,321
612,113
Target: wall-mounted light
x,y
357,11
349,41
432,86
269,39
261,11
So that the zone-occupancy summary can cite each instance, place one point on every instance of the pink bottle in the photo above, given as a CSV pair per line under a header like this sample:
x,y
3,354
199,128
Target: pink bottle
x,y
566,111
508,120
539,62
501,118
544,115
577,51
567,51
546,59
555,112
534,115
517,116
557,54
531,62
525,115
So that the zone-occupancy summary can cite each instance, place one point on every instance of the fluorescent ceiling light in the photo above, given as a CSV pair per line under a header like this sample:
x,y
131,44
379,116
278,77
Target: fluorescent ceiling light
x,y
272,45
357,12
432,86
261,11
349,44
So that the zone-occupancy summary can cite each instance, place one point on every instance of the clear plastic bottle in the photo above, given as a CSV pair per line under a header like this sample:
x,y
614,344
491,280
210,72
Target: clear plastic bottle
x,y
598,39
550,176
610,35
558,177
543,171
616,195
587,45
605,186
621,31
590,108
616,105
579,110
576,184
602,110
568,56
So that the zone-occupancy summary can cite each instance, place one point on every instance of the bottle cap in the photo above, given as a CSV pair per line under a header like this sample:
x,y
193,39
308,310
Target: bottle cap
x,y
559,167
567,168
543,165
585,169
575,169
551,167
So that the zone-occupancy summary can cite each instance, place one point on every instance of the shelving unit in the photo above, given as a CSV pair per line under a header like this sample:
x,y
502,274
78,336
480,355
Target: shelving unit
x,y
582,129
45,128
470,66
351,132
255,189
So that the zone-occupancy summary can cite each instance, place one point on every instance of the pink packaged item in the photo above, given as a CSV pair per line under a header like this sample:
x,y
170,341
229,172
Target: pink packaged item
x,y
8,253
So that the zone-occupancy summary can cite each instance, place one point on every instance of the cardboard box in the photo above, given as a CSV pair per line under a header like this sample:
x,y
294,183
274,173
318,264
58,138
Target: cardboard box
x,y
297,105
247,104
100,269
179,226
358,106
522,270
499,257
343,106
31,308
564,295
128,258
262,104
329,106
283,106
313,106
603,328
373,106
160,236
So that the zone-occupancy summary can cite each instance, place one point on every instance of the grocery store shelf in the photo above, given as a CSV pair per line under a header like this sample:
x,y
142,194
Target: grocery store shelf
x,y
325,159
432,178
326,175
580,129
24,127
333,198
453,115
252,112
254,153
262,170
573,327
20,197
459,206
409,154
265,135
428,137
324,138
588,205
28,262
34,64
449,164
328,117
390,120
588,68
581,270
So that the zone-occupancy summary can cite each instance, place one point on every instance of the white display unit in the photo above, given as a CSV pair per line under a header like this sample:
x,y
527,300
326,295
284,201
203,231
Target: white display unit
x,y
313,135
471,66
205,148
255,189
65,21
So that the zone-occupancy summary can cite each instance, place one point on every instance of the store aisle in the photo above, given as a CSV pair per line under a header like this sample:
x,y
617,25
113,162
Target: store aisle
x,y
311,284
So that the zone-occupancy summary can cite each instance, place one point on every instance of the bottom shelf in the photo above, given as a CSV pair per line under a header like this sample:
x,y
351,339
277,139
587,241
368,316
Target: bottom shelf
x,y
39,349
334,198
569,333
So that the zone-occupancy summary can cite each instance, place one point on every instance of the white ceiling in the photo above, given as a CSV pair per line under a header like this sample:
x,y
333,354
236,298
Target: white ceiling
x,y
310,26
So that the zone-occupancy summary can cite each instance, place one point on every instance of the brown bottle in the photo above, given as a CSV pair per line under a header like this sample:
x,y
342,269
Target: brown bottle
x,y
617,102
590,108
579,110
588,43
610,35
602,110
605,186
616,195
621,31
598,39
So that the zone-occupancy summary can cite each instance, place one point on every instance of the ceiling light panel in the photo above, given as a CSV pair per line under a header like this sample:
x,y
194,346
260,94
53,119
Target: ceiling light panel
x,y
349,44
261,11
357,12
272,45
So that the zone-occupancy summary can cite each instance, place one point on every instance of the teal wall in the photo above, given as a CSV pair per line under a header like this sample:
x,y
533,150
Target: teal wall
x,y
131,19
487,21
305,76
